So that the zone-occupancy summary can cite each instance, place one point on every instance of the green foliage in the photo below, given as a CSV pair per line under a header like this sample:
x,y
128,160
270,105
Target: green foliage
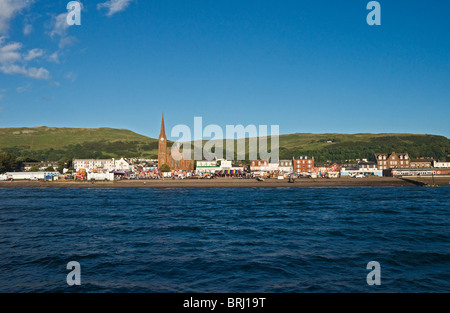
x,y
35,168
165,168
8,162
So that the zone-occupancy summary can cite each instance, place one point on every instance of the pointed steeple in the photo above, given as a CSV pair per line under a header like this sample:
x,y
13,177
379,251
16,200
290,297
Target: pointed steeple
x,y
162,133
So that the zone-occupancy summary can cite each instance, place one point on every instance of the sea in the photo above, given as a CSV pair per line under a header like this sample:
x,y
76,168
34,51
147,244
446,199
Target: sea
x,y
279,240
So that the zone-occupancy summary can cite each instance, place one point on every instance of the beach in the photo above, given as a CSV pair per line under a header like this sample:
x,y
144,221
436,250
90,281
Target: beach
x,y
231,183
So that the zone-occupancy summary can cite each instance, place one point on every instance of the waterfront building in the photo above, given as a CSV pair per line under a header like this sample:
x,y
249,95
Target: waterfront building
x,y
259,166
393,160
441,164
367,165
206,167
285,166
303,164
421,163
91,165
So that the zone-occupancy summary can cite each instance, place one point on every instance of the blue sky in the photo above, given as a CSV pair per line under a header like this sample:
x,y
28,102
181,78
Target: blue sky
x,y
308,66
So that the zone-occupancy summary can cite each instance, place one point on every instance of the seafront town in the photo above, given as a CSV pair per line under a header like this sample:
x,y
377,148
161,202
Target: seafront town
x,y
387,165
171,165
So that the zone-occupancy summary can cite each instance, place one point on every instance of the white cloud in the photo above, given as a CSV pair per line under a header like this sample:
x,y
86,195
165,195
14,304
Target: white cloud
x,y
12,61
9,9
60,26
33,54
67,41
32,72
54,57
113,6
10,52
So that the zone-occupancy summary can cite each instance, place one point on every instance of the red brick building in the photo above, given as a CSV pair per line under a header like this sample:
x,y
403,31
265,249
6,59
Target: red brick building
x,y
303,164
176,161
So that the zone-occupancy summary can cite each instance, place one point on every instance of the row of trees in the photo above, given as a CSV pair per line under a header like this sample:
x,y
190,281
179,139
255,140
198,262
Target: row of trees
x,y
10,163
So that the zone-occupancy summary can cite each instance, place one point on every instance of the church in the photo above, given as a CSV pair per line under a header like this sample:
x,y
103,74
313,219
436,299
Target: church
x,y
175,161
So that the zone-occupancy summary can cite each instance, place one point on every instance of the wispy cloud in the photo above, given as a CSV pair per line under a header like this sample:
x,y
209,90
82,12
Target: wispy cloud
x,y
59,29
9,9
44,98
13,61
28,29
22,89
10,52
113,6
32,72
59,25
33,54
71,76
54,57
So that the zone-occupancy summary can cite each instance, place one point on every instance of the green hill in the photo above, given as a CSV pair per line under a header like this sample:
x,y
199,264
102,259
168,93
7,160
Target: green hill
x,y
356,146
51,143
54,143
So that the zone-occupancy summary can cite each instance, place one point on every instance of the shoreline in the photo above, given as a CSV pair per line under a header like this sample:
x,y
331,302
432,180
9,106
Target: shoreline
x,y
230,183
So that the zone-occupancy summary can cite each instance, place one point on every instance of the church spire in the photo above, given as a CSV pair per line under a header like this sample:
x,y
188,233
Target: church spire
x,y
162,133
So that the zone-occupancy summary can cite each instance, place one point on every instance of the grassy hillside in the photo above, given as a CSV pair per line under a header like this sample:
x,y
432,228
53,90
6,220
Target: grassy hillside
x,y
344,146
46,143
52,143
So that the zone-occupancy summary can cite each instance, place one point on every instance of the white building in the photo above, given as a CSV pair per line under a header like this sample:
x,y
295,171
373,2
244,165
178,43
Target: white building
x,y
207,167
123,165
273,167
93,164
441,164
285,166
106,164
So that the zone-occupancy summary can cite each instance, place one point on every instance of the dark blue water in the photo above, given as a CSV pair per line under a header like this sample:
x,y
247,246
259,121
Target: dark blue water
x,y
225,240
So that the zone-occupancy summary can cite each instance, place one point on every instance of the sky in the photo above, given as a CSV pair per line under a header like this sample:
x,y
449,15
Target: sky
x,y
307,66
